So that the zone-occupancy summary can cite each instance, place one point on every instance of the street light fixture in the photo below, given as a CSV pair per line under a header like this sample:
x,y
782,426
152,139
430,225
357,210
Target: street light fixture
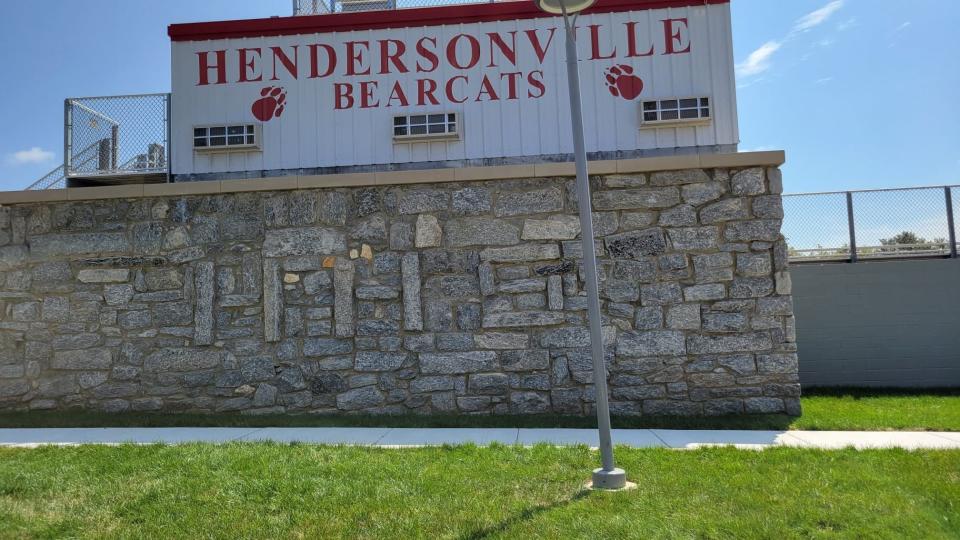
x,y
608,476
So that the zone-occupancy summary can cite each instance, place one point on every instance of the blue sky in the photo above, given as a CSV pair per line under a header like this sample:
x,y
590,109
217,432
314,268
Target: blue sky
x,y
860,93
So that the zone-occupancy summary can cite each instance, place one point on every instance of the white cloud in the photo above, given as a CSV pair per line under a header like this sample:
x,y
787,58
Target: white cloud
x,y
818,17
30,156
823,80
847,24
902,27
759,60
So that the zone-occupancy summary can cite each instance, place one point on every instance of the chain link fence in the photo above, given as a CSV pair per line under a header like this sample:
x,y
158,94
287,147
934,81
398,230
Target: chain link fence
x,y
871,224
117,135
322,7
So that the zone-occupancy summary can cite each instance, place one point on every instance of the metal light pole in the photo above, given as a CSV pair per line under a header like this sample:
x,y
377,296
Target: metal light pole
x,y
608,476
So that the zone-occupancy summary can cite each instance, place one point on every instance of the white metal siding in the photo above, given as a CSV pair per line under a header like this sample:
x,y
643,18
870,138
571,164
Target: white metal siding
x,y
312,134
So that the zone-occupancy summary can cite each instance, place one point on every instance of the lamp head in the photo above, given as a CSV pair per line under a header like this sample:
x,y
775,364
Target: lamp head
x,y
556,6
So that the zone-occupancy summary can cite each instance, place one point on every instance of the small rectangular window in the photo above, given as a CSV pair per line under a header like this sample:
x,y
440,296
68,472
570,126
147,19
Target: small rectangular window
x,y
425,127
675,111
226,137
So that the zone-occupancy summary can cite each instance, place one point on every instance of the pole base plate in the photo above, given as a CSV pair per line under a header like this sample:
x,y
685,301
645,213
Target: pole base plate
x,y
609,480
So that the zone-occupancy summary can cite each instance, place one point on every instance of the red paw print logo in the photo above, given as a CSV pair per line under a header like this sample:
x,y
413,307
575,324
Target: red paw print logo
x,y
270,105
622,82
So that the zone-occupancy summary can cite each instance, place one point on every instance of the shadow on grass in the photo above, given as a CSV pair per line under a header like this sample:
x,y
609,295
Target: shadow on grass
x,y
52,419
859,392
525,515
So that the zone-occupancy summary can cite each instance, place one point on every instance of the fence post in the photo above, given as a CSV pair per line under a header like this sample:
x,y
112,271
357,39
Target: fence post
x,y
952,229
853,234
67,136
168,150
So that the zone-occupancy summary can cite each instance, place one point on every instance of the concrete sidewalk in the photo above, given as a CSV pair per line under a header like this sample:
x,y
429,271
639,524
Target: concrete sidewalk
x,y
413,437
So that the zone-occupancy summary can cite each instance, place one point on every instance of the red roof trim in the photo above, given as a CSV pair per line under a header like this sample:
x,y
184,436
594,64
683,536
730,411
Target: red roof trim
x,y
400,18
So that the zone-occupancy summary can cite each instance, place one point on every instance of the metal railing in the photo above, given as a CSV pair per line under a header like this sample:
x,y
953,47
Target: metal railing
x,y
871,224
116,135
323,7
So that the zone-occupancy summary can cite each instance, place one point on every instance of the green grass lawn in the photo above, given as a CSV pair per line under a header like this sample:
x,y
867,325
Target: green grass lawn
x,y
305,491
880,410
840,409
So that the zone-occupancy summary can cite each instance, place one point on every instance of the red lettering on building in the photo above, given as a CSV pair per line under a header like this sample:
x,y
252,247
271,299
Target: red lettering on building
x,y
538,48
398,94
449,88
427,54
289,64
355,58
674,37
248,65
452,57
366,95
426,88
595,53
486,88
632,51
508,51
315,60
343,96
205,67
511,83
395,57
535,80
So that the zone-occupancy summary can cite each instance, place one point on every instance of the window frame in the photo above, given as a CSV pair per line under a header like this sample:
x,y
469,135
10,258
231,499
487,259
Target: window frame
x,y
446,135
704,103
257,135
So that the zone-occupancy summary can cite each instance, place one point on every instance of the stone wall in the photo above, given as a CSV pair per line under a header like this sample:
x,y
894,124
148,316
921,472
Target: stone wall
x,y
462,297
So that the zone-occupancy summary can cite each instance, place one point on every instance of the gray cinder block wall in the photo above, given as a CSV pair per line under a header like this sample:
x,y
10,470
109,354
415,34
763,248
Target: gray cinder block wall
x,y
441,298
880,323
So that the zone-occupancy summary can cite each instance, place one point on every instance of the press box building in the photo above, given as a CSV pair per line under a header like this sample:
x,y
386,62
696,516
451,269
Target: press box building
x,y
365,208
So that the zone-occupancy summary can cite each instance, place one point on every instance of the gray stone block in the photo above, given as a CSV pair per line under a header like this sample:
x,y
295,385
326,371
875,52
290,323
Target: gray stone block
x,y
685,176
272,300
303,241
529,202
471,200
694,238
377,292
489,384
660,294
501,340
522,318
636,245
759,229
417,201
175,359
458,362
632,199
561,227
748,182
57,245
651,343
360,398
746,342
379,361
521,253
529,403
525,360
684,317
326,346
697,194
481,232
